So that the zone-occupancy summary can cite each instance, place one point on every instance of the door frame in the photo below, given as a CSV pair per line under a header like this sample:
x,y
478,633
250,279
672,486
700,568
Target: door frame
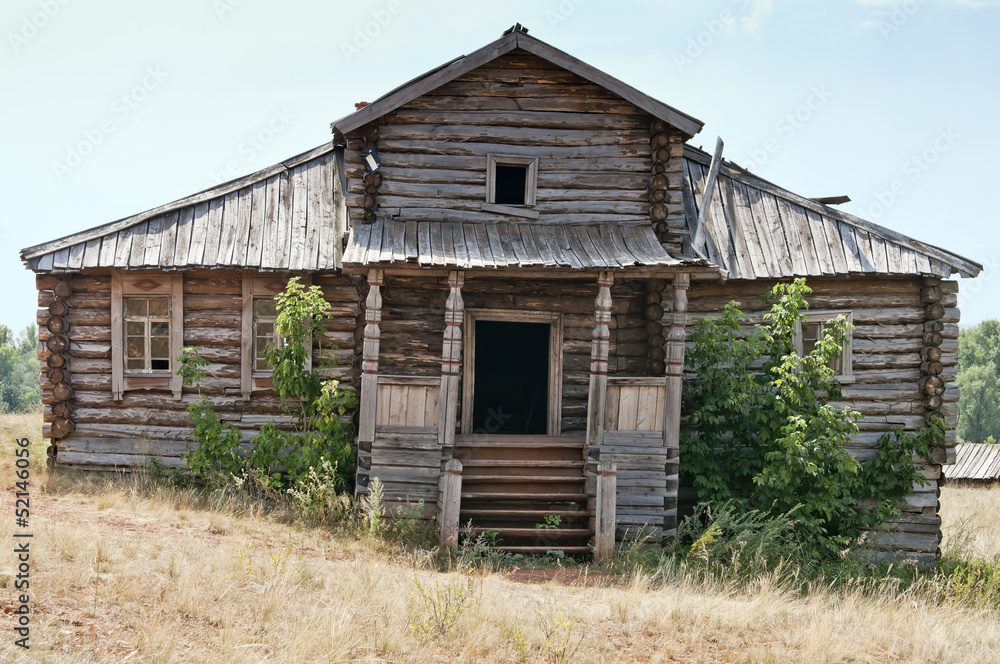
x,y
555,321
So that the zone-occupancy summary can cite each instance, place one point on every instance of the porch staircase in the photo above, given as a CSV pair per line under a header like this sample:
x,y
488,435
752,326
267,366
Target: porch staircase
x,y
516,486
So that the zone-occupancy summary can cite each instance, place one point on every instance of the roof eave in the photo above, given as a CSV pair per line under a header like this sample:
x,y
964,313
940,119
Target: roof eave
x,y
438,77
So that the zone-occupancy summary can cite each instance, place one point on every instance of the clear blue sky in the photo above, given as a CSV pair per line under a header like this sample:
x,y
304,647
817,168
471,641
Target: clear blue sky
x,y
111,108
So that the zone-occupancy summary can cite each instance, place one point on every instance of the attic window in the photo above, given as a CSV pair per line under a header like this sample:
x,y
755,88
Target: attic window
x,y
510,184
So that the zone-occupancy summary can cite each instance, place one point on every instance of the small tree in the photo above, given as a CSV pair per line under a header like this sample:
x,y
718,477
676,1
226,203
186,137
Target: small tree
x,y
320,439
761,431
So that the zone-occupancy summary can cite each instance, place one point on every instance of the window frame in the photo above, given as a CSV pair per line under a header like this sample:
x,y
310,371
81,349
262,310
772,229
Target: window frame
x,y
255,334
530,185
556,335
258,286
146,285
147,320
822,317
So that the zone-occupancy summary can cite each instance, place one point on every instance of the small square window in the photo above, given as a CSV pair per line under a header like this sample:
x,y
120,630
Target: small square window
x,y
808,333
511,180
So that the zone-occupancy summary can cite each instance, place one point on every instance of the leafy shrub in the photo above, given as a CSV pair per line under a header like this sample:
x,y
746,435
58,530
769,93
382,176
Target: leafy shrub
x,y
320,439
762,436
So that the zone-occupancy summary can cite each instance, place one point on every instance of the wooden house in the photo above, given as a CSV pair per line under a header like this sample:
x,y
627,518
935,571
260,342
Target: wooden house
x,y
514,245
976,464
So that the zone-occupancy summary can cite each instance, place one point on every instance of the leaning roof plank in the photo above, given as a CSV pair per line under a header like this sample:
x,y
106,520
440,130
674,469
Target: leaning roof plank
x,y
437,77
805,238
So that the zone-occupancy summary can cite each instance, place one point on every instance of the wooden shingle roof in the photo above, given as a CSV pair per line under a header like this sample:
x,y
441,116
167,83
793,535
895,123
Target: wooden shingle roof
x,y
975,461
757,230
514,39
285,217
506,245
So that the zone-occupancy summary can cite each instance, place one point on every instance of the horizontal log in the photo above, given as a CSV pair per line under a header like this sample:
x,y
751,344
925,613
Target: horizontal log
x,y
128,462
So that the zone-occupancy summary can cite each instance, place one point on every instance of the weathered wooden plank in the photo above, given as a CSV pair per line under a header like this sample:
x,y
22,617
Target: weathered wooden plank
x,y
241,234
255,234
230,224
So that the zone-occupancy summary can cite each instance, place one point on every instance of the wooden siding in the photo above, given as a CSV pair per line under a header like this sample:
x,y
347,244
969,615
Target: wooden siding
x,y
497,245
407,401
286,219
889,320
151,423
434,148
635,404
756,230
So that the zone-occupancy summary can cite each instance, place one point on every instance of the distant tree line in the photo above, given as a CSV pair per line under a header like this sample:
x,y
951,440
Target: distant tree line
x,y
979,383
20,389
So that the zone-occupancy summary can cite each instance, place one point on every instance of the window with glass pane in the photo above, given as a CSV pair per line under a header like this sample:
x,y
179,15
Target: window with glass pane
x,y
147,334
811,331
263,332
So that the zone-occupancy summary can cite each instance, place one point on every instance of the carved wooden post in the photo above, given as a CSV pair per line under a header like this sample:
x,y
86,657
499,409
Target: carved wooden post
x,y
599,361
675,362
604,535
451,499
451,360
369,358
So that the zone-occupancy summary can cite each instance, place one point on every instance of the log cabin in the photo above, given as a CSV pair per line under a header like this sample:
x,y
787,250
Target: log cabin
x,y
515,246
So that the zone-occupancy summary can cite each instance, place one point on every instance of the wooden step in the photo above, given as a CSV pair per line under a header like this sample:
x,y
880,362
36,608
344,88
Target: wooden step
x,y
517,463
551,497
534,533
542,550
538,515
466,479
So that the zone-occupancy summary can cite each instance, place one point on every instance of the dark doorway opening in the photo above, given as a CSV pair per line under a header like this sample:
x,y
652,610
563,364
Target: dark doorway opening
x,y
511,378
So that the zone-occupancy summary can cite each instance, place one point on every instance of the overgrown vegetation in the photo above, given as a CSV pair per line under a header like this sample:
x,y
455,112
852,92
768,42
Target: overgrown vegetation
x,y
309,461
763,439
979,382
20,391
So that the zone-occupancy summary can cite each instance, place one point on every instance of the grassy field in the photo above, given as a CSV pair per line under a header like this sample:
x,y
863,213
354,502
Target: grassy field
x,y
129,570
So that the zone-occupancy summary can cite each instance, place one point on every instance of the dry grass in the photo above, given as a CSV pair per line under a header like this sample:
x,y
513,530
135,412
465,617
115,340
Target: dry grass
x,y
128,573
971,517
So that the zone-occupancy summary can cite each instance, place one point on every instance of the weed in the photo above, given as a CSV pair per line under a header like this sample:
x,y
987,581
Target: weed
x,y
441,606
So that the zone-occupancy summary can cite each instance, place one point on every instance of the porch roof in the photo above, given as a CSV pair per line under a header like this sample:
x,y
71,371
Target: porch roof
x,y
507,245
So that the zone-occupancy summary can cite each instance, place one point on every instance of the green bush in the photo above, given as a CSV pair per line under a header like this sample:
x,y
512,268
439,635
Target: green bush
x,y
762,437
320,442
20,388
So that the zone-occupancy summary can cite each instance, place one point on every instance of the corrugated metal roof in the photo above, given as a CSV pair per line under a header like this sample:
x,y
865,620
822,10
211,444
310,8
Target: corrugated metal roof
x,y
282,218
502,245
975,461
757,230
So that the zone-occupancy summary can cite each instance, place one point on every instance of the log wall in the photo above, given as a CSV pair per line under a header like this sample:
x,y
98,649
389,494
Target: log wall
x,y
890,371
151,423
600,157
